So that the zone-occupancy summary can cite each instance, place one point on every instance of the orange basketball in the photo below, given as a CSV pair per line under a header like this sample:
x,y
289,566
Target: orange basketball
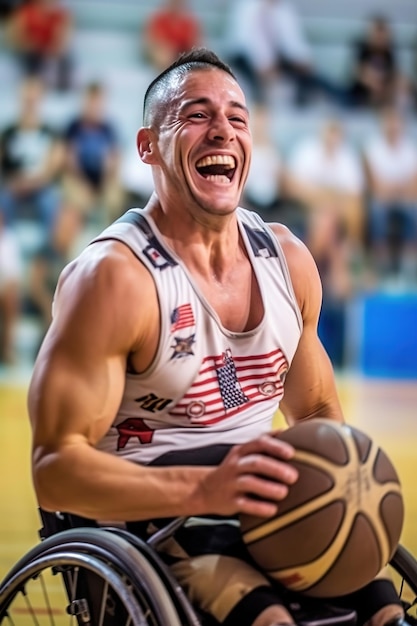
x,y
341,521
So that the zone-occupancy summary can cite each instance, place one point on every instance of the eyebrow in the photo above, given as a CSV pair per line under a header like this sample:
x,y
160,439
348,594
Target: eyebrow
x,y
204,100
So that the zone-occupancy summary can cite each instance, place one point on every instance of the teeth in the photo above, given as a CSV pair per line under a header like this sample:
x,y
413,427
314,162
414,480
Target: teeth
x,y
218,178
217,159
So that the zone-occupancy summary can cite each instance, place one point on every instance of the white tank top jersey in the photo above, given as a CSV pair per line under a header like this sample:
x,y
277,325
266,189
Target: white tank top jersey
x,y
207,385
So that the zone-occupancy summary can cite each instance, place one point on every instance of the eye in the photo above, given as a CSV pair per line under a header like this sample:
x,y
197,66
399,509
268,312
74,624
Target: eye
x,y
197,115
238,119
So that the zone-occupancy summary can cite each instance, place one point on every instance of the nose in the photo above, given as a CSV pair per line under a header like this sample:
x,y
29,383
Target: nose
x,y
221,129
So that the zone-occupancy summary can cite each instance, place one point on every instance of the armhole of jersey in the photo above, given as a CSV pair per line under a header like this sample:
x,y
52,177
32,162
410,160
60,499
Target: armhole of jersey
x,y
284,265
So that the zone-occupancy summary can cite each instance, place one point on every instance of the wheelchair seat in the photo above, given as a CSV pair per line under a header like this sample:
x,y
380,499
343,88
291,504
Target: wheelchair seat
x,y
83,573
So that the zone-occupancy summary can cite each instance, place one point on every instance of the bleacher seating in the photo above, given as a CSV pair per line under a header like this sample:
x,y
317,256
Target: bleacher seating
x,y
106,47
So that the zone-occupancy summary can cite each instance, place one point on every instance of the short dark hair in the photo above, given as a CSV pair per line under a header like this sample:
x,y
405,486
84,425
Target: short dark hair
x,y
195,59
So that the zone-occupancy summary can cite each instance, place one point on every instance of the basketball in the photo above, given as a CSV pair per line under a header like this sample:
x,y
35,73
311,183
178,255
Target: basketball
x,y
340,522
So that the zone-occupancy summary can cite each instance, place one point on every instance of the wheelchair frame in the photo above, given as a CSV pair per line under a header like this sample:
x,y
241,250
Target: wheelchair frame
x,y
113,578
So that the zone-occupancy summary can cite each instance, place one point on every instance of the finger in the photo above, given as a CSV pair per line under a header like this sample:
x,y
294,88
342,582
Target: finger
x,y
258,508
268,445
278,446
270,467
262,488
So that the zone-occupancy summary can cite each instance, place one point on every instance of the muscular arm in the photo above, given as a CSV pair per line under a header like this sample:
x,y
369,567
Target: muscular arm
x,y
310,389
106,307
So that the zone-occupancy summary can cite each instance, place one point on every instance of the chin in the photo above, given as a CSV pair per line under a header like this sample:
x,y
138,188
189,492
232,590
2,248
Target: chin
x,y
221,209
220,206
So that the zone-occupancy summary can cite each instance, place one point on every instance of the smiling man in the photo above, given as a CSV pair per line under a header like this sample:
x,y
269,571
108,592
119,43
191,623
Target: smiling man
x,y
176,334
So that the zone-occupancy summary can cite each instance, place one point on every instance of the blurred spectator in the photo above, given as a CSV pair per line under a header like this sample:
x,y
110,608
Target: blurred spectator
x,y
170,30
91,176
325,173
40,33
391,162
263,185
265,39
31,158
10,283
377,80
47,263
334,263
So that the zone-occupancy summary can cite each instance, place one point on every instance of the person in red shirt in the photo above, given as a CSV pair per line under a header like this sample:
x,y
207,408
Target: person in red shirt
x,y
39,31
170,30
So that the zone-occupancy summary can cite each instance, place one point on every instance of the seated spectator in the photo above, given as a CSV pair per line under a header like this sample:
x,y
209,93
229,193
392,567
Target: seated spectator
x,y
265,39
391,163
170,30
40,33
376,77
91,173
325,174
10,287
335,265
47,263
31,157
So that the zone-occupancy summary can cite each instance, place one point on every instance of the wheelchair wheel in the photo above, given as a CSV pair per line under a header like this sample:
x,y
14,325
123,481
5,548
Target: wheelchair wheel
x,y
35,595
106,550
404,573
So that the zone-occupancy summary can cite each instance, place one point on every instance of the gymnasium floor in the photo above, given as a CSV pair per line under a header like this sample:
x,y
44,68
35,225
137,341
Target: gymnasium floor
x,y
386,410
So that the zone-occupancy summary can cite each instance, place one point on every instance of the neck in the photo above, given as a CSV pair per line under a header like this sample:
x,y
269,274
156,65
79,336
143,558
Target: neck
x,y
211,250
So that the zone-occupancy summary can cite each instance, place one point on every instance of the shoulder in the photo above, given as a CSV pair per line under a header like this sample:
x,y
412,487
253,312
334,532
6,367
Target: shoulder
x,y
107,286
303,271
106,265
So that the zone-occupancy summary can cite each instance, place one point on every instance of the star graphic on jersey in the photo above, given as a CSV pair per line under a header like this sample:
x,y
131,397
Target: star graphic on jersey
x,y
183,347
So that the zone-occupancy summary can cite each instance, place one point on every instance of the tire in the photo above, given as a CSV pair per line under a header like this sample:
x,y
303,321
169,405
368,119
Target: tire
x,y
120,556
24,596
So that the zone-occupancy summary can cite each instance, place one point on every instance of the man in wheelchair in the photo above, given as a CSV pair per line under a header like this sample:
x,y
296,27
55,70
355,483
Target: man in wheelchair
x,y
176,335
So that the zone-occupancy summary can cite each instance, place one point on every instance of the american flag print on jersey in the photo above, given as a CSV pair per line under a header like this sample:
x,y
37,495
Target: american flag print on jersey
x,y
227,384
182,317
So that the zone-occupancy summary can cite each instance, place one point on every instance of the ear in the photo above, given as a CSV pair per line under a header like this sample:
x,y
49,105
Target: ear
x,y
146,143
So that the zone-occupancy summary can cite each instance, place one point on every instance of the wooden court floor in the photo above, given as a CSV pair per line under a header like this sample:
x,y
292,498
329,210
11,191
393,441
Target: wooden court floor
x,y
385,410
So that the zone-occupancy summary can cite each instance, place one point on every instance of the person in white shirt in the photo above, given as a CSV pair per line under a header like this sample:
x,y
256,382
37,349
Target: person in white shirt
x,y
264,39
391,163
325,173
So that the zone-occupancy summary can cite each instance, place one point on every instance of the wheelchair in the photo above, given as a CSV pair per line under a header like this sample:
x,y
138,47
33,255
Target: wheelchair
x,y
83,574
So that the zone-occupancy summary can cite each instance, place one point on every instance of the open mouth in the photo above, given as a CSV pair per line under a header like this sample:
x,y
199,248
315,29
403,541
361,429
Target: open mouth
x,y
217,168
